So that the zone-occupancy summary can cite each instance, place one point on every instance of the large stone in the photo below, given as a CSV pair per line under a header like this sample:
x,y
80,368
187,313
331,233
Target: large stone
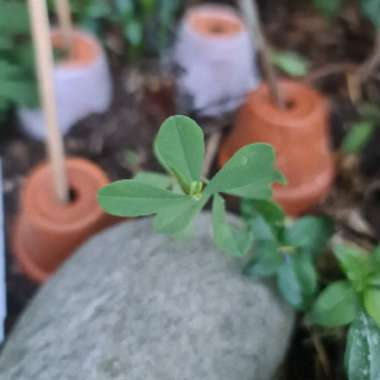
x,y
135,305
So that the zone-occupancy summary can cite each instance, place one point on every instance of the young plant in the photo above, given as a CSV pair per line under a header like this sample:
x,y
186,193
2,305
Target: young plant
x,y
286,251
354,301
175,199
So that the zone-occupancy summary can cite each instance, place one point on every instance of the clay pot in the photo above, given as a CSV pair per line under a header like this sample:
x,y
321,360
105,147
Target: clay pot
x,y
82,85
46,231
216,58
299,136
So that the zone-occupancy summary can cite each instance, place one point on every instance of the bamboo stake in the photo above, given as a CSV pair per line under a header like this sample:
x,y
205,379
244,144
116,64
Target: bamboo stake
x,y
250,13
44,62
62,9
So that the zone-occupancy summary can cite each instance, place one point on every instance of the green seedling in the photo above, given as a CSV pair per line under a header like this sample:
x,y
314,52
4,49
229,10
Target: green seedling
x,y
286,251
176,198
354,301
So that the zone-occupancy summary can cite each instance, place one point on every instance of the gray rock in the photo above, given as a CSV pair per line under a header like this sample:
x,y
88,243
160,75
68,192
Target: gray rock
x,y
134,305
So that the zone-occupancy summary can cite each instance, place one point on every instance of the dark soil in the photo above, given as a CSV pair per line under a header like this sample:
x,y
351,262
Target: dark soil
x,y
120,142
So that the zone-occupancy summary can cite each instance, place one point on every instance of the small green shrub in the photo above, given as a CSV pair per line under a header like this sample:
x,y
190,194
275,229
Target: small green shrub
x,y
354,301
17,82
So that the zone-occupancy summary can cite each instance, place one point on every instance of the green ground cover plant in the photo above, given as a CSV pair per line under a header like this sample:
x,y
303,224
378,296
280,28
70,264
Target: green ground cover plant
x,y
267,242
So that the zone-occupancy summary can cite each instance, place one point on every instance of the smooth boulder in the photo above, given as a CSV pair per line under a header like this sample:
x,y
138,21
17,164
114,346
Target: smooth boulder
x,y
135,305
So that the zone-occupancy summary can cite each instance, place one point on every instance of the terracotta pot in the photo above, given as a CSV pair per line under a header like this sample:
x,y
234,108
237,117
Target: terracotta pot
x,y
82,85
299,136
216,78
46,231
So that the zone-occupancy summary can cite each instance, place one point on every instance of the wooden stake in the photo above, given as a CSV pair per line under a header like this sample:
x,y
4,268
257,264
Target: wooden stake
x,y
250,13
44,62
62,8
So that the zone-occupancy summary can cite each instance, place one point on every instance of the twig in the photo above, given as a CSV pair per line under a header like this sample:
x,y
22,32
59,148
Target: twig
x,y
250,13
330,69
62,8
370,65
211,150
44,59
322,355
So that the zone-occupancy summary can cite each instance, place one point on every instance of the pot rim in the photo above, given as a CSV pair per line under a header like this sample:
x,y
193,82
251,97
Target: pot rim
x,y
303,104
36,214
220,13
79,37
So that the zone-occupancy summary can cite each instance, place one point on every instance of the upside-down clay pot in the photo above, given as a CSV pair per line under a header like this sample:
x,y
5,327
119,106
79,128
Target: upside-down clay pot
x,y
47,231
82,85
216,60
299,136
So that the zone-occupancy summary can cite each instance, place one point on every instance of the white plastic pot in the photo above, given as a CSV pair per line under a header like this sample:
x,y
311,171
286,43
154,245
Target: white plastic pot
x,y
82,85
216,60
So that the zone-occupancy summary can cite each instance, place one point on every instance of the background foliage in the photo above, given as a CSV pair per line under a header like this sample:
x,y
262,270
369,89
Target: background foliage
x,y
16,56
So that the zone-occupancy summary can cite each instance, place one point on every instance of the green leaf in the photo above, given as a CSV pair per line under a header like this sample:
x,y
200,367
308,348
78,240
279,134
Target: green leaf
x,y
132,198
175,219
19,91
376,256
179,147
328,7
133,32
5,42
309,233
261,229
355,263
372,303
357,137
266,260
14,17
99,9
374,280
369,111
270,211
265,218
337,305
161,181
228,238
249,173
362,357
297,280
371,10
291,63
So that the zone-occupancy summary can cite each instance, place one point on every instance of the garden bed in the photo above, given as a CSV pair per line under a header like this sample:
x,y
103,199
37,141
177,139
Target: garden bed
x,y
120,142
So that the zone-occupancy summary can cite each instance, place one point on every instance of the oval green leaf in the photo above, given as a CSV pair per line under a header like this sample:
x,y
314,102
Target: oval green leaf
x,y
362,357
372,303
132,198
230,239
249,173
179,146
309,233
297,280
337,305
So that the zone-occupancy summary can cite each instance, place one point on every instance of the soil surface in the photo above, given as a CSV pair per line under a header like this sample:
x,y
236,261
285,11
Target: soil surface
x,y
144,95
